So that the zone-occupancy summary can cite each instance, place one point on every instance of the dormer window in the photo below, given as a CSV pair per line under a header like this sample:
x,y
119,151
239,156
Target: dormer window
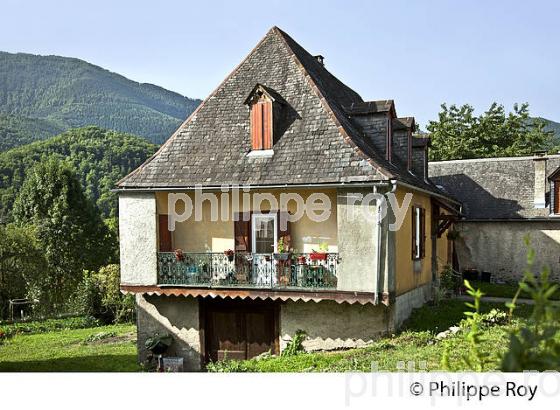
x,y
264,104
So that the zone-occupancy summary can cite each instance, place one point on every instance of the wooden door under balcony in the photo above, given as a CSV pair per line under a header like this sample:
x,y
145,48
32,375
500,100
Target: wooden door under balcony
x,y
239,330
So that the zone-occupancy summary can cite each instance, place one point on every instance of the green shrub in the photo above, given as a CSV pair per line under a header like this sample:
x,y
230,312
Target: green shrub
x,y
535,346
449,280
99,295
295,345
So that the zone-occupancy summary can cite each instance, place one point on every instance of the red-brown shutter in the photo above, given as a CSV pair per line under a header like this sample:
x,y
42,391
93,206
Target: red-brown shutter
x,y
165,243
267,125
556,196
422,232
242,232
284,234
256,126
414,244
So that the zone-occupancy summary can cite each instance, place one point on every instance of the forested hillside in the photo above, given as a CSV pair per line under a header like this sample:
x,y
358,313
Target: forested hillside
x,y
100,157
16,130
68,93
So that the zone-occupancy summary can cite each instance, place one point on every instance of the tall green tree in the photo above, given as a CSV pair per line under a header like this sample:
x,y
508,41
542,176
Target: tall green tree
x,y
20,261
460,134
68,227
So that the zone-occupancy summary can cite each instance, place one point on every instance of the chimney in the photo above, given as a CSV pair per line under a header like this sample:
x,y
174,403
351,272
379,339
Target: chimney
x,y
320,59
539,165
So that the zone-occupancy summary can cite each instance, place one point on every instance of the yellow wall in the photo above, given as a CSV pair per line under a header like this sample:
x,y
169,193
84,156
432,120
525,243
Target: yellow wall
x,y
217,236
410,273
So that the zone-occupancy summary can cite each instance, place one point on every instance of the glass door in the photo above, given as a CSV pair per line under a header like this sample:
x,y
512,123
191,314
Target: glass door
x,y
264,233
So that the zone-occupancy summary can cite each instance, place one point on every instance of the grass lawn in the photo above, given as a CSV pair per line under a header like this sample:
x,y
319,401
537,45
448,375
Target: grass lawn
x,y
506,290
58,346
96,349
417,343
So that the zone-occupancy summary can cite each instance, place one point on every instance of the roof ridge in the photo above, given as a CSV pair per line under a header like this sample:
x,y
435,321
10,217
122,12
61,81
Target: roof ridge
x,y
324,101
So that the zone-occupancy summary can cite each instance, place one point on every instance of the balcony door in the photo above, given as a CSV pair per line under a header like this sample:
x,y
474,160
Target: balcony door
x,y
264,232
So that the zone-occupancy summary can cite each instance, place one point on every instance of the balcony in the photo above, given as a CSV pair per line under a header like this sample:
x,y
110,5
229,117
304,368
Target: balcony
x,y
301,271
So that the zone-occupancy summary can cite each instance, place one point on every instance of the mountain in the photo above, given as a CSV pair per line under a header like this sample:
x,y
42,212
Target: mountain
x,y
67,93
100,157
552,126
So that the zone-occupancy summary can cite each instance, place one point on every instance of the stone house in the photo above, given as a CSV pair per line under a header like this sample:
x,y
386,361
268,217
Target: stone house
x,y
503,201
243,284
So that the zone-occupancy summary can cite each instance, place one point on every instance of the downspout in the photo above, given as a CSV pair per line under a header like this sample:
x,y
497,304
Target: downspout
x,y
379,222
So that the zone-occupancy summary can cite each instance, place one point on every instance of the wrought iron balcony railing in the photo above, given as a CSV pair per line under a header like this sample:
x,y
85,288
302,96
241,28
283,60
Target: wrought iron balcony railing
x,y
302,271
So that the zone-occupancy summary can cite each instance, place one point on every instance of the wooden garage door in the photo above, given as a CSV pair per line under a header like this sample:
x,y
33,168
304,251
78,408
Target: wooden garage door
x,y
239,330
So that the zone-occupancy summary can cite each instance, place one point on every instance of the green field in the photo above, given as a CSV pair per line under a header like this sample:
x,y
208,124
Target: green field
x,y
98,349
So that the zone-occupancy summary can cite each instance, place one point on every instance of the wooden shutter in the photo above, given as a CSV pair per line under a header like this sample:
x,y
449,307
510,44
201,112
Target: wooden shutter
x,y
422,232
242,232
414,244
165,243
256,126
556,196
267,125
284,234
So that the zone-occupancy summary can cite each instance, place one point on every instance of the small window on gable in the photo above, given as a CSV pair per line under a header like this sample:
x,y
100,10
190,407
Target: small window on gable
x,y
264,104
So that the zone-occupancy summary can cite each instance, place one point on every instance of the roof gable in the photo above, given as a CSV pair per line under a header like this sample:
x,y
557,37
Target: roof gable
x,y
318,142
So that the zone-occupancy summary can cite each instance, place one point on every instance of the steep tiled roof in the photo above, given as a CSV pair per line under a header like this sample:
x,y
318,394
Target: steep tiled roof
x,y
318,143
494,188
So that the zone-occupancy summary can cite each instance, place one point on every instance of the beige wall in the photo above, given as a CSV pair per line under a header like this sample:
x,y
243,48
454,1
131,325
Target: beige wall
x,y
217,236
177,316
499,247
409,273
330,325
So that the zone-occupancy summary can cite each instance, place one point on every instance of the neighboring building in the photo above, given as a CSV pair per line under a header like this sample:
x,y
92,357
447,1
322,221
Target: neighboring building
x,y
280,122
505,200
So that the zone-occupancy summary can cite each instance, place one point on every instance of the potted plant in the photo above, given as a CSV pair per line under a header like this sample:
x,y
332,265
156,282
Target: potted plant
x,y
302,260
158,344
283,252
322,254
230,254
179,256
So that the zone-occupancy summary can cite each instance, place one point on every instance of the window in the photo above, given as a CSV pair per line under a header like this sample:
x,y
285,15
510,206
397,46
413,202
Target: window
x,y
261,125
418,232
264,233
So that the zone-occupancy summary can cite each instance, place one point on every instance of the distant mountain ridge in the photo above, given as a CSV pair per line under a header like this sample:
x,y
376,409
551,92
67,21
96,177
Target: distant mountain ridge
x,y
67,93
552,126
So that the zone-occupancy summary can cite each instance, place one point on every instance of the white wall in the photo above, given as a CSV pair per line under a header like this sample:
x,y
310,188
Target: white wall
x,y
138,238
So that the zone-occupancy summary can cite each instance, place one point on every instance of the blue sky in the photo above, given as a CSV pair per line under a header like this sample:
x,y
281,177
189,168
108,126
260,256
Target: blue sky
x,y
420,53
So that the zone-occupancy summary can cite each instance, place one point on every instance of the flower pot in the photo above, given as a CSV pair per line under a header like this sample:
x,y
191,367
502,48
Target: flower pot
x,y
179,256
281,256
318,256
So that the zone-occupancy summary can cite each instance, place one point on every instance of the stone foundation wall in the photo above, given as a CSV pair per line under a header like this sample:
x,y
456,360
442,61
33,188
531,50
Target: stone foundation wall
x,y
405,303
178,316
330,325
